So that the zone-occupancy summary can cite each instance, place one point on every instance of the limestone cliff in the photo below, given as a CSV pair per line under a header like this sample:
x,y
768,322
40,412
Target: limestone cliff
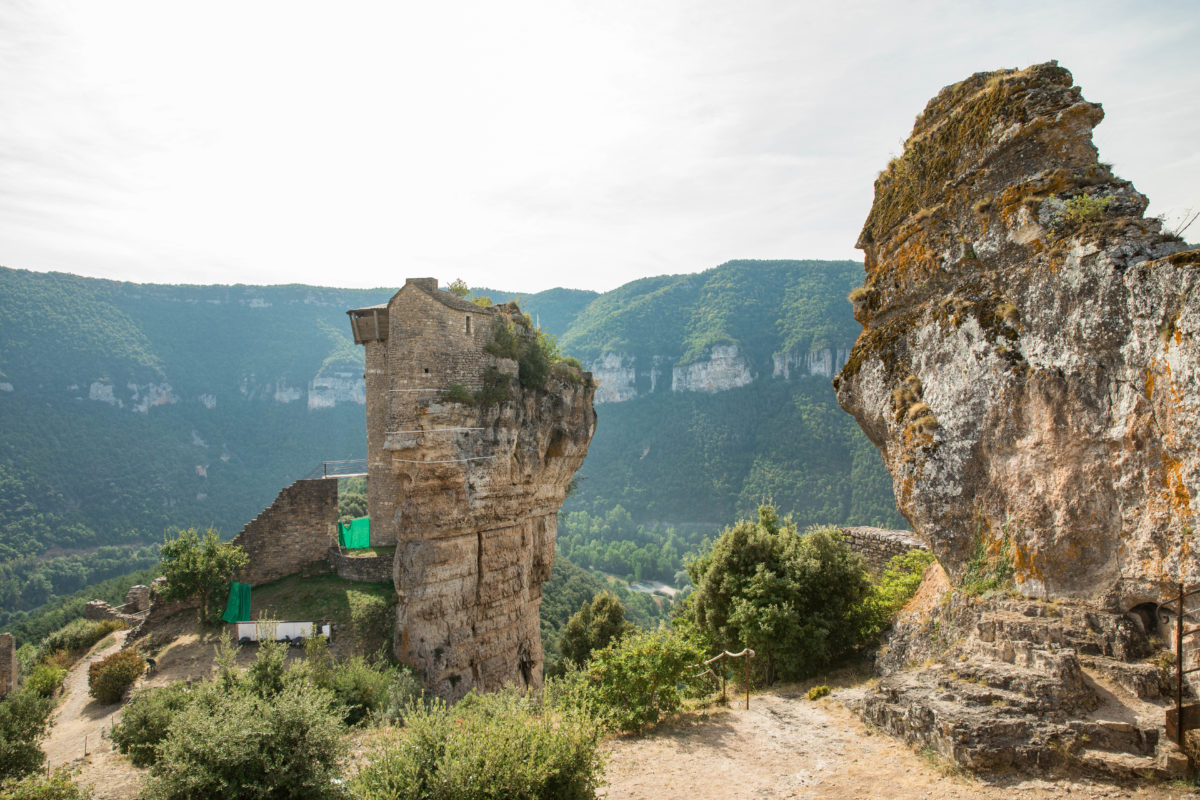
x,y
469,461
1028,363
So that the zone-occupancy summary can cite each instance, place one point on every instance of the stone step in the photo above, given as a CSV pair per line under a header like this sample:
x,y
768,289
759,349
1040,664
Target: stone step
x,y
1115,736
1138,678
1126,766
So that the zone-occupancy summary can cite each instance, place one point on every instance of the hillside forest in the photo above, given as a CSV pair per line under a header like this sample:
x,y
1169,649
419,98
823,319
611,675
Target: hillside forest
x,y
130,410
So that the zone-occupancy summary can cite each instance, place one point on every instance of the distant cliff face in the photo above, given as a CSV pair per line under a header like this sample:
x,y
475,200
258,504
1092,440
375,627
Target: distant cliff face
x,y
621,376
1027,363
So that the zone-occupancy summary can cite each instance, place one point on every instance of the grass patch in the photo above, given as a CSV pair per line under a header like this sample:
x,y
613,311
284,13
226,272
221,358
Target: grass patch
x,y
370,552
365,610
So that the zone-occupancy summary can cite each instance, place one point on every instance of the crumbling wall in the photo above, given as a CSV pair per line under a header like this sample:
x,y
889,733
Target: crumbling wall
x,y
293,534
878,546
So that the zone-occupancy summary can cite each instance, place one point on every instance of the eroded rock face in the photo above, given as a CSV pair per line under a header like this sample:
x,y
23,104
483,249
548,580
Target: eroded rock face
x,y
1028,363
469,491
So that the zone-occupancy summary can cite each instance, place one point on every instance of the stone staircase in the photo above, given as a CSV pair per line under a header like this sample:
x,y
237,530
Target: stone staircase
x,y
1028,686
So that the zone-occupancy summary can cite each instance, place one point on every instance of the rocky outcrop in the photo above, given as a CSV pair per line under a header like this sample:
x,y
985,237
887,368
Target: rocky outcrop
x,y
1028,364
1000,683
469,460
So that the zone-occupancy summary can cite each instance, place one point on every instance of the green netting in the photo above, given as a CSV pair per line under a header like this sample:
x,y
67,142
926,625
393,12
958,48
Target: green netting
x,y
356,535
238,607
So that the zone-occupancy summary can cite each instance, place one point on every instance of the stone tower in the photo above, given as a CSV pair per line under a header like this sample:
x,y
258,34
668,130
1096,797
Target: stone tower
x,y
465,482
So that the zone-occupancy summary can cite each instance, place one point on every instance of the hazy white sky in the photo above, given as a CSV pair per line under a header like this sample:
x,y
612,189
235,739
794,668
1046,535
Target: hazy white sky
x,y
520,145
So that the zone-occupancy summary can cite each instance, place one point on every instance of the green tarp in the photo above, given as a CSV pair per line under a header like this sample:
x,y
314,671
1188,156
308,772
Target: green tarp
x,y
356,535
238,607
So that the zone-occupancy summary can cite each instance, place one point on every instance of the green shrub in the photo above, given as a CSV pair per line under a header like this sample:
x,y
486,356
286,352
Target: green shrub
x,y
896,585
146,719
797,600
38,786
457,393
110,677
499,745
360,689
45,679
1085,208
371,620
635,681
990,568
497,387
817,692
77,636
24,718
235,744
265,676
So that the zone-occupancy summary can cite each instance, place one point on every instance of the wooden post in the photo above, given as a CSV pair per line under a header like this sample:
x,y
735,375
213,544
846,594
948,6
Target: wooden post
x,y
1179,671
723,700
747,656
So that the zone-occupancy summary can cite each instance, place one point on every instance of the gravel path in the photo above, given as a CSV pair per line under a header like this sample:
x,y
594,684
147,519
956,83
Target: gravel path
x,y
786,746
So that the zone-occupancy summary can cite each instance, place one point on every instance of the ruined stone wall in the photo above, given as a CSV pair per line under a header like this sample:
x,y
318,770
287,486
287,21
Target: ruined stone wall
x,y
364,569
877,546
294,534
8,664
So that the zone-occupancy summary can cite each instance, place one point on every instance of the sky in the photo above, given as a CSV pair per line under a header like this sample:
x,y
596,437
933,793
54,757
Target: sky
x,y
520,145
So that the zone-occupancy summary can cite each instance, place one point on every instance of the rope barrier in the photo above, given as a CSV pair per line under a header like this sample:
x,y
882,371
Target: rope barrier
x,y
445,461
435,430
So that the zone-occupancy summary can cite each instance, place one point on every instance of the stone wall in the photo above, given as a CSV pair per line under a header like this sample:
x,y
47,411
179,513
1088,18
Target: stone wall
x,y
364,569
293,535
8,663
877,546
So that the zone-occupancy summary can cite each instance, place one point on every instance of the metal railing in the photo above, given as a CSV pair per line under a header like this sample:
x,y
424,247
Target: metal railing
x,y
722,657
334,469
1182,718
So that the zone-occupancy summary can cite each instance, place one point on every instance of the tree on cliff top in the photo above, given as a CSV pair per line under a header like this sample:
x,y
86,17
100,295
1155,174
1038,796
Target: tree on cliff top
x,y
596,624
196,566
797,600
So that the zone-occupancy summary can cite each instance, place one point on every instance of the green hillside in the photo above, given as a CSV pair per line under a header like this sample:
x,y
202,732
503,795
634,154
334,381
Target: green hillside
x,y
128,409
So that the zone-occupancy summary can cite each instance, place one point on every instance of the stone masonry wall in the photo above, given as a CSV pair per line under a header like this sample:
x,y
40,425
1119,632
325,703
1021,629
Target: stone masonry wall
x,y
293,534
877,546
364,569
8,663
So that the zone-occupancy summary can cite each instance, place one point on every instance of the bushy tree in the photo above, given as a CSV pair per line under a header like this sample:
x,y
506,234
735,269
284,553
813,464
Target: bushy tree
x,y
596,624
237,744
110,677
200,566
24,718
797,600
146,719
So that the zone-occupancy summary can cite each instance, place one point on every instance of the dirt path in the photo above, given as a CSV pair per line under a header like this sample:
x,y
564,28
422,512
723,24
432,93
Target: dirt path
x,y
786,746
79,722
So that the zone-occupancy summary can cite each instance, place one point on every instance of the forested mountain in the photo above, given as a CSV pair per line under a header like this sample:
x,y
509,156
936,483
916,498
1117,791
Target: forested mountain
x,y
127,409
